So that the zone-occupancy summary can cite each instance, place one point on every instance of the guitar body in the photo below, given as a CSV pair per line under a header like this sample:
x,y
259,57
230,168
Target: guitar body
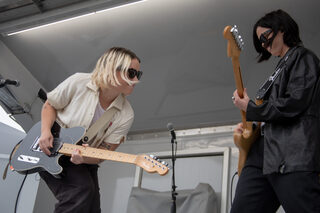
x,y
244,143
28,158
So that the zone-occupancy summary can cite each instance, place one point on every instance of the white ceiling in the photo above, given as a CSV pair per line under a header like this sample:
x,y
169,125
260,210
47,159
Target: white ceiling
x,y
188,79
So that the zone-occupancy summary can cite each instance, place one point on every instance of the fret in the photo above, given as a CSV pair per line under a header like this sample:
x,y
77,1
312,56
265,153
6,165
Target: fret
x,y
68,149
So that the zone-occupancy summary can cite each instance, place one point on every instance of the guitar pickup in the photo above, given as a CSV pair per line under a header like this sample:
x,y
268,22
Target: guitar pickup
x,y
54,150
35,145
28,159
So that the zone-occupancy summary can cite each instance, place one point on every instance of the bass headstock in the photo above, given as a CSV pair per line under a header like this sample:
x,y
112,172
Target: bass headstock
x,y
235,41
152,164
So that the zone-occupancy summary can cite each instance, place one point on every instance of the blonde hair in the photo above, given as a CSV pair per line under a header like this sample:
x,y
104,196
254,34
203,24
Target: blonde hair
x,y
115,59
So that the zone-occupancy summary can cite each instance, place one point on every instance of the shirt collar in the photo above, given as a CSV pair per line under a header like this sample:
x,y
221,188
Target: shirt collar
x,y
92,86
117,103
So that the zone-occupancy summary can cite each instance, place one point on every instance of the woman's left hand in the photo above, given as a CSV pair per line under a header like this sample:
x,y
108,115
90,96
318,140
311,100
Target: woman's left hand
x,y
241,103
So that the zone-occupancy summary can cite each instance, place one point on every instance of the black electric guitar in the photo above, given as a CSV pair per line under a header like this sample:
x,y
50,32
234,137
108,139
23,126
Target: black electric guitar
x,y
28,158
251,131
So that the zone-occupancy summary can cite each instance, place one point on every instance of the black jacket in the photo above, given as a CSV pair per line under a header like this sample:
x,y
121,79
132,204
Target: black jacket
x,y
291,111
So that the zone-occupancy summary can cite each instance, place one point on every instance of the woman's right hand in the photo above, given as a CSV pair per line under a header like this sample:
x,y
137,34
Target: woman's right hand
x,y
46,142
239,128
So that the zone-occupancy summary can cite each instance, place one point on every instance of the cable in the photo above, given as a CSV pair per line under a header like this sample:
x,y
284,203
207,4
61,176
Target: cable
x,y
232,179
18,195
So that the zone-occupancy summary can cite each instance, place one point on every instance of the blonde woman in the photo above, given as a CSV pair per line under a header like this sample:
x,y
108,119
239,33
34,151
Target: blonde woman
x,y
79,101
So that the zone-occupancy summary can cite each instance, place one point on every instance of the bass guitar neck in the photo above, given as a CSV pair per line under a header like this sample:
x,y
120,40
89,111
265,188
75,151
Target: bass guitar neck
x,y
250,132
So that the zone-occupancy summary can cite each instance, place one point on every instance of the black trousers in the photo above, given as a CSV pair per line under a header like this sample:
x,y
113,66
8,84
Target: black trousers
x,y
77,191
297,192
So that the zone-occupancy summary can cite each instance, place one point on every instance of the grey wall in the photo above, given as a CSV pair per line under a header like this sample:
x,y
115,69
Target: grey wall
x,y
26,94
188,79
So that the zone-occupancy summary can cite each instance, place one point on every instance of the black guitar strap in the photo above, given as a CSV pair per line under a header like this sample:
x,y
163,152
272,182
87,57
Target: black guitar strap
x,y
268,83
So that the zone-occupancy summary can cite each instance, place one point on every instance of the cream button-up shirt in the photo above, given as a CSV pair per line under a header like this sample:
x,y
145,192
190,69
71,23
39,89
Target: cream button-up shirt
x,y
76,99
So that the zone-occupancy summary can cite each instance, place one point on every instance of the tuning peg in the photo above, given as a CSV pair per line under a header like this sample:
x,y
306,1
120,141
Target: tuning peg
x,y
165,163
234,29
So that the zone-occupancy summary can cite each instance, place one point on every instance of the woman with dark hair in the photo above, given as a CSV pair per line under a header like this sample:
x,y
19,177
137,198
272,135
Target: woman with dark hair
x,y
283,165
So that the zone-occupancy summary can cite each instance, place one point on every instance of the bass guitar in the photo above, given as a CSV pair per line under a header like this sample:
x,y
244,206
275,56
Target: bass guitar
x,y
28,158
251,131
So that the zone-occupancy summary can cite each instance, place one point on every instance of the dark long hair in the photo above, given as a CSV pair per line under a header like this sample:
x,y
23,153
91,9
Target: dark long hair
x,y
277,20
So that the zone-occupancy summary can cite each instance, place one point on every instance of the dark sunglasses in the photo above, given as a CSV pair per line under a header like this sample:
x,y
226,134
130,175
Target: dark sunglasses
x,y
133,73
264,38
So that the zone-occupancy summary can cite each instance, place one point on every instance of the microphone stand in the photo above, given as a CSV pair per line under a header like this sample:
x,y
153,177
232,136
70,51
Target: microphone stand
x,y
173,190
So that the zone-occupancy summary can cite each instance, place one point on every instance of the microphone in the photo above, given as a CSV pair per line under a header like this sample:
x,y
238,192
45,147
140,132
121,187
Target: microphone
x,y
171,129
4,82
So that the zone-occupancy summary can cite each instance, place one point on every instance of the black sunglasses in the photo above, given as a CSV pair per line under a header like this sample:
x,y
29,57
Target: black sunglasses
x,y
133,73
264,38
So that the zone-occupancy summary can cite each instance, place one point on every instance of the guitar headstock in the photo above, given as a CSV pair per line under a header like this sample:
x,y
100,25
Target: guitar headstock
x,y
235,41
152,164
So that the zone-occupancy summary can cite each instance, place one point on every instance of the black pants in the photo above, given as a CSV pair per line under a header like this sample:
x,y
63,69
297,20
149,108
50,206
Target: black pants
x,y
297,192
77,191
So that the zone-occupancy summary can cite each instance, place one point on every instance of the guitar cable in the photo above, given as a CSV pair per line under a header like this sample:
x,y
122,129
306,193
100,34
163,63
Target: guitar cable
x,y
231,190
18,195
5,175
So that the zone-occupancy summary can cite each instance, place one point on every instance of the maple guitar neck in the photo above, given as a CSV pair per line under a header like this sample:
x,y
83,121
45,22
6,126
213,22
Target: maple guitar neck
x,y
239,85
68,149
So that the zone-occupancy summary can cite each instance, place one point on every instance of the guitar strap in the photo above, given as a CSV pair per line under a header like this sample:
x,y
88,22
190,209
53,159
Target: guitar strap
x,y
4,176
268,83
101,124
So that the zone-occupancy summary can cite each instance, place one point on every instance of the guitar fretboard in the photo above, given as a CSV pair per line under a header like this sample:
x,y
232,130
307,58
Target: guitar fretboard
x,y
68,149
